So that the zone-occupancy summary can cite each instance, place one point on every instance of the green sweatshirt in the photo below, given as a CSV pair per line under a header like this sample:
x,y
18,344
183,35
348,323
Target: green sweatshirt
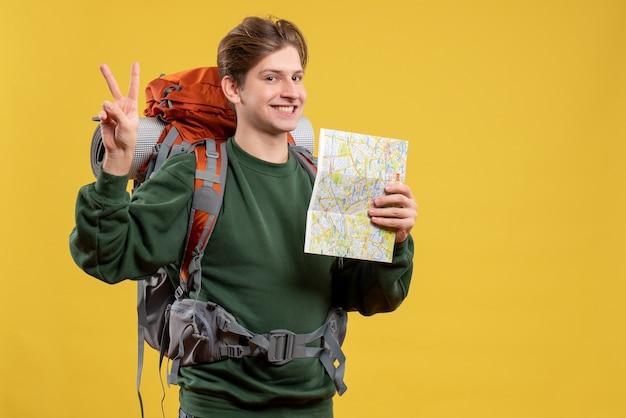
x,y
254,266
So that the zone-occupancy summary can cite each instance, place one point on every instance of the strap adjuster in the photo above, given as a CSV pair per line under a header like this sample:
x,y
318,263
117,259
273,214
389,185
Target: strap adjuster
x,y
232,351
281,346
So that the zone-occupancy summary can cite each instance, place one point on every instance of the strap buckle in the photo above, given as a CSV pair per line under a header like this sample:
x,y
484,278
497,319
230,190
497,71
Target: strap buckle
x,y
281,346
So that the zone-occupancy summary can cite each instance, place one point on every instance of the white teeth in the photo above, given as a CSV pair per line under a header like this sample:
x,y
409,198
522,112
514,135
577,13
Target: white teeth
x,y
285,109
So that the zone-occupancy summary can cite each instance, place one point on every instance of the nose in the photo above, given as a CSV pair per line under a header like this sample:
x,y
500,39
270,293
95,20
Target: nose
x,y
291,90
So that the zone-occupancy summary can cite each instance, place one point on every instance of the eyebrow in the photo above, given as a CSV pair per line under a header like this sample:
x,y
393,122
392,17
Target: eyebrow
x,y
270,70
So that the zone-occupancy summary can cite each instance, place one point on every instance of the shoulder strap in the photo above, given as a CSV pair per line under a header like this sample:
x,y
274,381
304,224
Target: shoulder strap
x,y
305,158
211,169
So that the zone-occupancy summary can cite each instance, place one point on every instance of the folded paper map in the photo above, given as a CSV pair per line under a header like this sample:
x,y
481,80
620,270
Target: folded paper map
x,y
353,169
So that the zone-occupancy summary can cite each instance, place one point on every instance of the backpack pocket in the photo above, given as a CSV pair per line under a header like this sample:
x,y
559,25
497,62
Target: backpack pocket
x,y
192,332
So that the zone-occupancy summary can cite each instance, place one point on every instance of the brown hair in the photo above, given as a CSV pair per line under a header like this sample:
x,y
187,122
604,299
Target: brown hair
x,y
254,39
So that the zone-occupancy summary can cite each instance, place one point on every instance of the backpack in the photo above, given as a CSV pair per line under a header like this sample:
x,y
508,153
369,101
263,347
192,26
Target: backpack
x,y
194,116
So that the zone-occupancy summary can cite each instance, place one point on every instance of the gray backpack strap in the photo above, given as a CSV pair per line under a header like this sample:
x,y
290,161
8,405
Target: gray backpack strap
x,y
305,158
334,334
163,150
140,352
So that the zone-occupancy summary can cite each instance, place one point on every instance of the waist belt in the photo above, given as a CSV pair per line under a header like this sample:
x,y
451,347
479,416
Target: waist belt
x,y
204,332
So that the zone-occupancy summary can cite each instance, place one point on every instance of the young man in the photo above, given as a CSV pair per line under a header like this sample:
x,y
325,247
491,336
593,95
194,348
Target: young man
x,y
254,265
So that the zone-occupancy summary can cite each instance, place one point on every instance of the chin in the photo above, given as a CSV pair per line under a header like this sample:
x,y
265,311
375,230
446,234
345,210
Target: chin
x,y
287,127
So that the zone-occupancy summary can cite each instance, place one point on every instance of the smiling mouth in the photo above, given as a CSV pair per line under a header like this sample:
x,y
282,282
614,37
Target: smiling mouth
x,y
285,109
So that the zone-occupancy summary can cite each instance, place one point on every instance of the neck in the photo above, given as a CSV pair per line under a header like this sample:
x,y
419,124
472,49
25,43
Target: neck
x,y
270,148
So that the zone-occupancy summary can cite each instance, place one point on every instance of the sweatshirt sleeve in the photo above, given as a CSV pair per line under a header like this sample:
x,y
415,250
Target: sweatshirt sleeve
x,y
117,238
373,287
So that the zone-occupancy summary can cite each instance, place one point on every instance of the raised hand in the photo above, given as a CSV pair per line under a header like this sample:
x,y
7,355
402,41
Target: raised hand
x,y
119,121
397,210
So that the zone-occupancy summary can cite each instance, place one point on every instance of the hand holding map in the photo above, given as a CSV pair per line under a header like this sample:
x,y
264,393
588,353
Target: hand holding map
x,y
353,169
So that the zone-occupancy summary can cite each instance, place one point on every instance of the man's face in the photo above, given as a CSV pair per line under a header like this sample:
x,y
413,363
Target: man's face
x,y
273,96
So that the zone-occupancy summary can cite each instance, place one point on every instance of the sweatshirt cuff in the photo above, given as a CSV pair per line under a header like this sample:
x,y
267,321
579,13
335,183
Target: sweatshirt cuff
x,y
111,186
400,247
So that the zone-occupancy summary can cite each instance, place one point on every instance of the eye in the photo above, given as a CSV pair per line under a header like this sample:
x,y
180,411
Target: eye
x,y
271,78
296,78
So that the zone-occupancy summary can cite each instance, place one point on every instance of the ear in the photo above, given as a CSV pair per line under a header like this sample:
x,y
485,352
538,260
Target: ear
x,y
230,89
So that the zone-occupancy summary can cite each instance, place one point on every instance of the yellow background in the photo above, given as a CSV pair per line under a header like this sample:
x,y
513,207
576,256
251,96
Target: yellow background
x,y
516,116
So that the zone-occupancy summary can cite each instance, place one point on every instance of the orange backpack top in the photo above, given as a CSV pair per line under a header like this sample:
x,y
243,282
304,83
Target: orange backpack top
x,y
195,98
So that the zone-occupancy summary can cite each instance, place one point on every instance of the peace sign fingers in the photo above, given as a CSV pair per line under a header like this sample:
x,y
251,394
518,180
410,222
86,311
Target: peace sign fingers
x,y
119,122
133,88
